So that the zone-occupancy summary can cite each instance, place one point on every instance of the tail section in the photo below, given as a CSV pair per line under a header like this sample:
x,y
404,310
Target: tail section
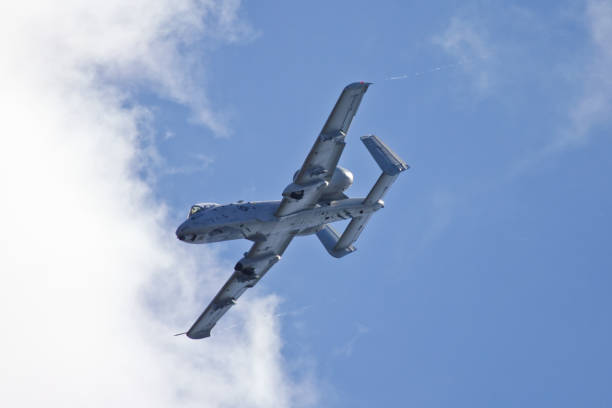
x,y
329,238
389,162
391,165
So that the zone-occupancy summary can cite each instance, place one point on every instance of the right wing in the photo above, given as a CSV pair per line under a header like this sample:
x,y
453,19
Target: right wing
x,y
319,166
247,272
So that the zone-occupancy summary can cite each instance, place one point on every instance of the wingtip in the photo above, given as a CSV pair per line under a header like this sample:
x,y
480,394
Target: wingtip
x,y
358,85
202,334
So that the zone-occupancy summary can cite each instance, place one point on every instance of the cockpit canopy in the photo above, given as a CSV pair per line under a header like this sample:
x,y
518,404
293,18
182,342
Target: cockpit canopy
x,y
200,207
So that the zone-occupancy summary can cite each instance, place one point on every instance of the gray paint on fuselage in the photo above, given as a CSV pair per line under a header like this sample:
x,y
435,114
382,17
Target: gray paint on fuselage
x,y
256,220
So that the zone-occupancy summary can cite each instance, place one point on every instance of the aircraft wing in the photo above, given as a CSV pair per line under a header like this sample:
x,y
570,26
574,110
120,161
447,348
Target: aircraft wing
x,y
319,166
247,272
302,194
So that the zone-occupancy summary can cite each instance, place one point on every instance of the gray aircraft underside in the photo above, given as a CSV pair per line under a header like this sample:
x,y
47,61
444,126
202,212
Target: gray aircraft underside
x,y
313,201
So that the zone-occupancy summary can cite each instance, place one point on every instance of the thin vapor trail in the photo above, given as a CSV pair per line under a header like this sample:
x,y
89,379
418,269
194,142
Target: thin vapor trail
x,y
420,73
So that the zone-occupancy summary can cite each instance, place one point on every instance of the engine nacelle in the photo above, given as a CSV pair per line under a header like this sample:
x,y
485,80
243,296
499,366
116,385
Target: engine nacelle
x,y
340,181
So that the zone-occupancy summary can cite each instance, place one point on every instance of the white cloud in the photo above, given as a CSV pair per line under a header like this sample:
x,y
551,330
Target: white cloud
x,y
467,43
202,163
92,281
595,102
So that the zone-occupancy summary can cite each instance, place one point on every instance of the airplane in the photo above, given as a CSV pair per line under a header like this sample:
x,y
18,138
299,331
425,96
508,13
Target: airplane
x,y
313,201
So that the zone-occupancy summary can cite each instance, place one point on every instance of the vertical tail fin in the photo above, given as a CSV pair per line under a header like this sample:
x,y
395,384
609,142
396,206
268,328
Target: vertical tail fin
x,y
329,238
388,161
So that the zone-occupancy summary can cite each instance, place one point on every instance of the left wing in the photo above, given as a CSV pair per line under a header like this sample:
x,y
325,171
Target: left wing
x,y
319,166
247,272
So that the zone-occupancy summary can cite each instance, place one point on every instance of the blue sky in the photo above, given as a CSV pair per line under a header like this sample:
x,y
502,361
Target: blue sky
x,y
485,280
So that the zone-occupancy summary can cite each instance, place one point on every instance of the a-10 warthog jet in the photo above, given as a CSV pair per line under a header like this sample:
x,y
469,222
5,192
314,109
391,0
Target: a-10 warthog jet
x,y
310,204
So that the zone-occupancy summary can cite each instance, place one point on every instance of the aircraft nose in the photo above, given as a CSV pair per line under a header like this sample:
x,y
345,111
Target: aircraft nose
x,y
185,232
180,232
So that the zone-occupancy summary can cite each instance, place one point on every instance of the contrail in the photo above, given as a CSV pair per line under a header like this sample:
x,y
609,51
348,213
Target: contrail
x,y
429,71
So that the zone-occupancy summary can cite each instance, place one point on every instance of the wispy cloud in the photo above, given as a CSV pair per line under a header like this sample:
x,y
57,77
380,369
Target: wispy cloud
x,y
202,162
93,283
346,350
467,43
592,104
595,102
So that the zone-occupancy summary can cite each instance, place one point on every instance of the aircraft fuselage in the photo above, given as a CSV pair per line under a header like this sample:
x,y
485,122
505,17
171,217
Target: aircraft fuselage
x,y
256,220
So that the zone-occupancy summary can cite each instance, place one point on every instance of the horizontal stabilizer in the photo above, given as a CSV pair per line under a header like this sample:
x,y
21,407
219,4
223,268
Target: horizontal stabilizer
x,y
329,238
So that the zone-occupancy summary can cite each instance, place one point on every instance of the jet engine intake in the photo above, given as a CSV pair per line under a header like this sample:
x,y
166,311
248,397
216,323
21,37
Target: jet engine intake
x,y
340,181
